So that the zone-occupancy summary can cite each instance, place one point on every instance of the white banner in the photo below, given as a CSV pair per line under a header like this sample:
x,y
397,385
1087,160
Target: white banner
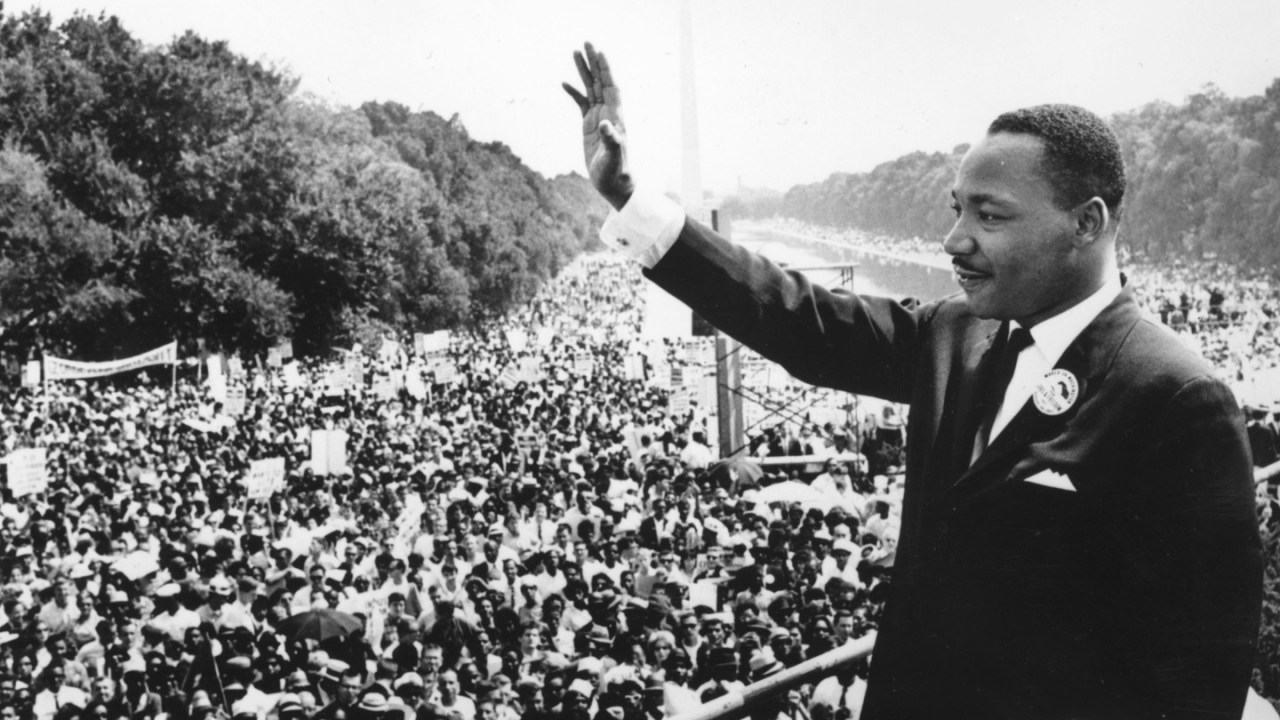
x,y
61,369
264,478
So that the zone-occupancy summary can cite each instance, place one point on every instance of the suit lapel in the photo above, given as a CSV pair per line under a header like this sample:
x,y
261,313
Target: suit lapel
x,y
1087,358
963,404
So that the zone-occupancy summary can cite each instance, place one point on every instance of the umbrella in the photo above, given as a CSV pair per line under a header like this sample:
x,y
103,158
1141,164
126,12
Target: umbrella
x,y
319,625
738,470
137,564
792,491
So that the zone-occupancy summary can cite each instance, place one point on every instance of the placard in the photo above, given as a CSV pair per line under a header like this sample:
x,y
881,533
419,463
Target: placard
x,y
705,593
509,377
235,402
526,441
264,477
292,378
446,373
427,343
27,472
633,369
679,403
518,339
383,388
414,386
328,451
31,374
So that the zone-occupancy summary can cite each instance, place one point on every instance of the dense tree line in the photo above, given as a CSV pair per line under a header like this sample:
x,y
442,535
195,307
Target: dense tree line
x,y
1204,181
183,191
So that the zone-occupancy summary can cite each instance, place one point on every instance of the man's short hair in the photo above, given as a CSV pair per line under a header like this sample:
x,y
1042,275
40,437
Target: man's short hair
x,y
1082,153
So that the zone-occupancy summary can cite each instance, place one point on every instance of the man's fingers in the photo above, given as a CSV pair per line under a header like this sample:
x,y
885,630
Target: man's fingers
x,y
577,97
583,72
602,71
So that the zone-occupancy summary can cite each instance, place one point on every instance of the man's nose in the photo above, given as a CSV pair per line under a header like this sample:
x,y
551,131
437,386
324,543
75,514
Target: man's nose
x,y
959,241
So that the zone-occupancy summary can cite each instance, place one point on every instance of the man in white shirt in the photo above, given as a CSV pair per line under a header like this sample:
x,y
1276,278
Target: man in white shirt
x,y
696,455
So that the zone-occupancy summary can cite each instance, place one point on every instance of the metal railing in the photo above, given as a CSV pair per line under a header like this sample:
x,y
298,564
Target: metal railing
x,y
737,705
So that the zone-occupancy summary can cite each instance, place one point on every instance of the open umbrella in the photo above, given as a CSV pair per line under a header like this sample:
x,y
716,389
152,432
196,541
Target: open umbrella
x,y
319,625
791,491
737,470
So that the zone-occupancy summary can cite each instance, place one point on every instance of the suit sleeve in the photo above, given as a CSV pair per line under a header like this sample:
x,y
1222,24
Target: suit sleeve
x,y
1198,537
831,338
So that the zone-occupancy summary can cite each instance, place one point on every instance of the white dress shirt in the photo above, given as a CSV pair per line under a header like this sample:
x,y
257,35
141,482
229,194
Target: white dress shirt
x,y
1052,337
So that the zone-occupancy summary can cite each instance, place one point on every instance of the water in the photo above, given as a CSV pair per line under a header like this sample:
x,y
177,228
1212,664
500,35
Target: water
x,y
877,273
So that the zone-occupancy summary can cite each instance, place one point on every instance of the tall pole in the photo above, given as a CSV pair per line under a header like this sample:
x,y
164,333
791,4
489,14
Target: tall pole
x,y
691,170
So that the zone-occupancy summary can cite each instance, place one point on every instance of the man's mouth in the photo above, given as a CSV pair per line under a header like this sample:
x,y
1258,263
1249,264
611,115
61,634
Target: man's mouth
x,y
969,278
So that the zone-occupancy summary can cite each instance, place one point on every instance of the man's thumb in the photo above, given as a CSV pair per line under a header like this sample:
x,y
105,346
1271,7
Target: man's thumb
x,y
611,135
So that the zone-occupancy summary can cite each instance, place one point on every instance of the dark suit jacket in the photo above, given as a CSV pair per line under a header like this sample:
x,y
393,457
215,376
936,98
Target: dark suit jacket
x,y
1136,595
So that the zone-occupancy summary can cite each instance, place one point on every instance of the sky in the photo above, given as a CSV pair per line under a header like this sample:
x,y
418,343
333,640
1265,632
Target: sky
x,y
787,93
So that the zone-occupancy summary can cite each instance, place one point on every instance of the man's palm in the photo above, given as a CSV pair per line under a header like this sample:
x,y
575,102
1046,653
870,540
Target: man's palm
x,y
603,139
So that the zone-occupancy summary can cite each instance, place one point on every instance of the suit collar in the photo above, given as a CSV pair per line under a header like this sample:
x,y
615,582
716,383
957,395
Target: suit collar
x,y
1087,358
1054,335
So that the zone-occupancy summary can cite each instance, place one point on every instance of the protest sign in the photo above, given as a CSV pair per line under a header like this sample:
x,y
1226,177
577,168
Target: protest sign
x,y
414,386
679,402
518,339
526,441
27,472
328,451
292,378
383,388
634,367
705,593
235,402
427,343
509,377
31,374
446,373
264,477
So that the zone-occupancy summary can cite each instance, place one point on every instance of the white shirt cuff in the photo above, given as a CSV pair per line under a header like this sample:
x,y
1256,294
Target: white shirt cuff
x,y
646,227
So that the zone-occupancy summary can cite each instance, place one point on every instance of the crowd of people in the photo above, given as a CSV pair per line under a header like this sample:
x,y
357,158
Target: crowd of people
x,y
519,523
538,534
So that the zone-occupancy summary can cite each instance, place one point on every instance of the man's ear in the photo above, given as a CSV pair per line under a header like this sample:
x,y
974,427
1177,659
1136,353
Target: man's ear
x,y
1092,221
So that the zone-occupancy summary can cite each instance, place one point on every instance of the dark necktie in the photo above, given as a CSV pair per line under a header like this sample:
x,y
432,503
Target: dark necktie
x,y
997,381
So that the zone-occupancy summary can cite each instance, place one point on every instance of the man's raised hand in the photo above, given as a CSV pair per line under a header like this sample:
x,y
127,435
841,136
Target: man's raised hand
x,y
604,143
